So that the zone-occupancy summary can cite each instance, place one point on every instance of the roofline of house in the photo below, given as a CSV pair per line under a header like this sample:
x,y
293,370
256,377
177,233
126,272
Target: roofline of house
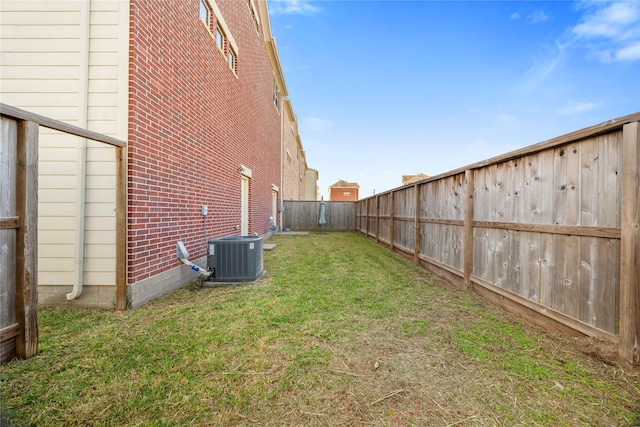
x,y
272,49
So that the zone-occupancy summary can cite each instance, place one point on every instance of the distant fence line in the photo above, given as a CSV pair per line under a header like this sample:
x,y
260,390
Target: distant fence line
x,y
305,215
551,232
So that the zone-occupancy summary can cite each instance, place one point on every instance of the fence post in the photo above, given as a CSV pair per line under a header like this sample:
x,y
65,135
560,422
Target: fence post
x,y
27,239
629,344
416,226
468,228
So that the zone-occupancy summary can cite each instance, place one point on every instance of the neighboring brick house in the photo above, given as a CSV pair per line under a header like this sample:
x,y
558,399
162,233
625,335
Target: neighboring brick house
x,y
411,179
343,191
311,189
195,87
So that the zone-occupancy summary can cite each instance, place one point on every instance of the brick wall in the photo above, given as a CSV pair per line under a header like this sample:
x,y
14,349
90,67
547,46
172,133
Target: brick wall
x,y
192,123
338,194
292,184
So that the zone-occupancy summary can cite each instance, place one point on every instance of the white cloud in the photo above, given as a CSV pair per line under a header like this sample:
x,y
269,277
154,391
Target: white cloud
x,y
610,30
537,17
630,52
293,7
515,15
578,107
541,69
316,124
610,20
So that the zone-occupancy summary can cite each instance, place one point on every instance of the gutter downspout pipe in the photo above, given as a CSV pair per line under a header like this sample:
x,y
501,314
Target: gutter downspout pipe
x,y
85,27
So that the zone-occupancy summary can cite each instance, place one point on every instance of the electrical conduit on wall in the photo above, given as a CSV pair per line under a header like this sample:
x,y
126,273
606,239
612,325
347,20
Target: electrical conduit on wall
x,y
83,101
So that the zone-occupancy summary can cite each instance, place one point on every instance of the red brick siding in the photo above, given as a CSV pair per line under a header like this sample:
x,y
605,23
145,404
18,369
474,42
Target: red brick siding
x,y
337,194
192,122
291,158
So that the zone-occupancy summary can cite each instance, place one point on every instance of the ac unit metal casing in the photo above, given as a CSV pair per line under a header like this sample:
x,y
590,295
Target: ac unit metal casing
x,y
235,259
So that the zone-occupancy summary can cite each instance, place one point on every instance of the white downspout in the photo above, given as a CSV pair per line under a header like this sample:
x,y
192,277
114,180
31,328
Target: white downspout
x,y
81,158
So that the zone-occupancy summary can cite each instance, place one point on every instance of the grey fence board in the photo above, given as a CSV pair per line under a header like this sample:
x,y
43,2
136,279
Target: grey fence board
x,y
305,215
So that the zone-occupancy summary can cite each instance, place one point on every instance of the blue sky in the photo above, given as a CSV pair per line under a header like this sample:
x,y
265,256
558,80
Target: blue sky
x,y
386,88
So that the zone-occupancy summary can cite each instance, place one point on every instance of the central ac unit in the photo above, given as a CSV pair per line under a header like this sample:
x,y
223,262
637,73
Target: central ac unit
x,y
235,259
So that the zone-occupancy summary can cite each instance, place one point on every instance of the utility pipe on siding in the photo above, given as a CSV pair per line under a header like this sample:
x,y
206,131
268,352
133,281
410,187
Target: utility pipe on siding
x,y
81,158
183,256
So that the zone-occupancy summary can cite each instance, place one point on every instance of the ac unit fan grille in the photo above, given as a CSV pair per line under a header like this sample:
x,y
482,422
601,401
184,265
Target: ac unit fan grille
x,y
236,258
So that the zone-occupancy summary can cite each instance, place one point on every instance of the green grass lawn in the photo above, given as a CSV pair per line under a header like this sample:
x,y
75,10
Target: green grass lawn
x,y
340,331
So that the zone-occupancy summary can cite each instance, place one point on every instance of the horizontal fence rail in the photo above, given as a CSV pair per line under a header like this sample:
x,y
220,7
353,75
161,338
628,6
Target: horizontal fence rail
x,y
305,215
551,231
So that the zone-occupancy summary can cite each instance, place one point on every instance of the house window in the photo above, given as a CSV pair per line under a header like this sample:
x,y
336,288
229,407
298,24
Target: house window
x,y
219,30
276,93
232,59
346,193
205,12
254,14
220,39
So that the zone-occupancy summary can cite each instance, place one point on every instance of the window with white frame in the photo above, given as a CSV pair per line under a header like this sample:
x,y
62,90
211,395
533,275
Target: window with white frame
x,y
276,93
220,39
231,56
254,14
205,12
210,14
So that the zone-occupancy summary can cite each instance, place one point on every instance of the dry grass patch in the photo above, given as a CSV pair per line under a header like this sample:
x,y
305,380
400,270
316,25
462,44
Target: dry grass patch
x,y
339,332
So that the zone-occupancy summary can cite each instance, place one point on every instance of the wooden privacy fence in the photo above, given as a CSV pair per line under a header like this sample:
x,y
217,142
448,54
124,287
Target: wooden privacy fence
x,y
19,221
305,215
551,231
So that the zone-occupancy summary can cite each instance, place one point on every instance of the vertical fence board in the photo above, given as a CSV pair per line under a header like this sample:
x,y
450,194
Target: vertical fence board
x,y
560,213
468,229
629,349
588,245
607,291
27,239
516,213
572,245
531,200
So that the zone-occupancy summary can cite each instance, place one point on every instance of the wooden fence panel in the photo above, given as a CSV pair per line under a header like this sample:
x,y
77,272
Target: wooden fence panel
x,y
384,209
305,215
358,220
371,216
542,226
8,218
404,213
